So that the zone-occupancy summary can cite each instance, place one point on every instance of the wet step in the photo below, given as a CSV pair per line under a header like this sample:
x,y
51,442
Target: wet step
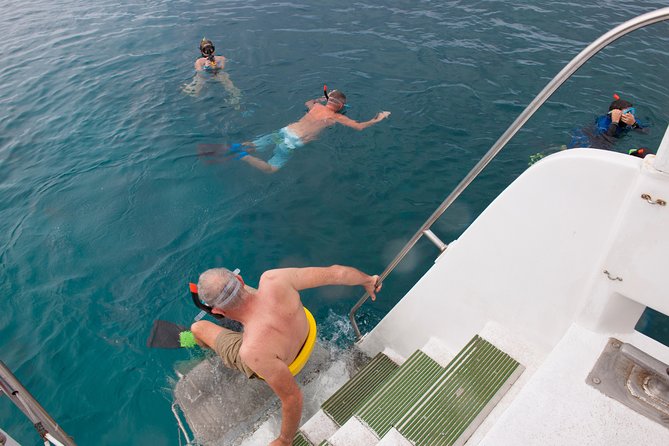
x,y
300,440
399,393
419,403
345,401
458,402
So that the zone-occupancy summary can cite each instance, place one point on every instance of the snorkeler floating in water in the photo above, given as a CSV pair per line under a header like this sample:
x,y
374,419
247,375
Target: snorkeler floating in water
x,y
211,64
608,128
605,132
323,112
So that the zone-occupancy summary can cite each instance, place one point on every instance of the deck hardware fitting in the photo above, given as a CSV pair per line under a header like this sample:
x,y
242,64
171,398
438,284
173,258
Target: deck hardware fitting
x,y
608,274
649,199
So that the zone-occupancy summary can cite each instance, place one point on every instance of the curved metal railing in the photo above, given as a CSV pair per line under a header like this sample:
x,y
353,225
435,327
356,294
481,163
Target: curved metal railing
x,y
576,63
47,428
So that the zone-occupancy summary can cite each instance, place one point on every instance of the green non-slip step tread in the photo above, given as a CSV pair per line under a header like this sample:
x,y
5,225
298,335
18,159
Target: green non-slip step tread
x,y
301,440
343,403
399,393
468,387
325,443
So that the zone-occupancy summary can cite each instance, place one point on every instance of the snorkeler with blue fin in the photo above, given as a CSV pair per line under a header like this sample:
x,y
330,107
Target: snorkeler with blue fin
x,y
322,113
211,65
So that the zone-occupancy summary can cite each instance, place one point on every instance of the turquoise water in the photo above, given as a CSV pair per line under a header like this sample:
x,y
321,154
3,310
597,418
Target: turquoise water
x,y
107,212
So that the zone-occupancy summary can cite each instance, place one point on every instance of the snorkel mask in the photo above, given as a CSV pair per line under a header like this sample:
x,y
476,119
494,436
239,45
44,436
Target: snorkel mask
x,y
207,49
631,110
327,98
622,105
230,290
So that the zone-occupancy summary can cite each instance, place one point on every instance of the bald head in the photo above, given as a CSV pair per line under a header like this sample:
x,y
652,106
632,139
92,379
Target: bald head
x,y
220,288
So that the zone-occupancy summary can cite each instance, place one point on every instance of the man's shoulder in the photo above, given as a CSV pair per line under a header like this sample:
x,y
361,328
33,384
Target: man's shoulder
x,y
323,111
275,276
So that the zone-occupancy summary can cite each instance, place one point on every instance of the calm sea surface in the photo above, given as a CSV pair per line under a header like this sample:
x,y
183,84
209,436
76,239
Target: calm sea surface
x,y
106,211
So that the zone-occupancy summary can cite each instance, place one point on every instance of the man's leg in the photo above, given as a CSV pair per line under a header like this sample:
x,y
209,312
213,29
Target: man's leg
x,y
205,333
226,343
259,164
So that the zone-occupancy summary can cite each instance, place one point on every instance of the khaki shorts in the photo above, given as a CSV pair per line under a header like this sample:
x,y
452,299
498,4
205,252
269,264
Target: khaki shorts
x,y
227,346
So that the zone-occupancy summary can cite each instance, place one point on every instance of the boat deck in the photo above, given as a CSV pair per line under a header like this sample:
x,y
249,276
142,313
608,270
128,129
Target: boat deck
x,y
563,409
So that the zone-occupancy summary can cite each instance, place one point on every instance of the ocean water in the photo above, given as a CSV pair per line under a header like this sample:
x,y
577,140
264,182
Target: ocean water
x,y
106,211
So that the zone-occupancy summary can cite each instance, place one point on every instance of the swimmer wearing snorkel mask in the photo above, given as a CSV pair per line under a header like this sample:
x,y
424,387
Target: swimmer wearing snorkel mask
x,y
323,112
213,65
608,128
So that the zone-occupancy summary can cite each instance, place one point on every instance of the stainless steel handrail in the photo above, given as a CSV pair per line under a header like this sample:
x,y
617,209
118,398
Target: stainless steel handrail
x,y
576,63
47,428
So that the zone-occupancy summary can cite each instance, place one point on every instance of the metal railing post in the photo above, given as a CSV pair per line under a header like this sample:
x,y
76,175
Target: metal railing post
x,y
42,421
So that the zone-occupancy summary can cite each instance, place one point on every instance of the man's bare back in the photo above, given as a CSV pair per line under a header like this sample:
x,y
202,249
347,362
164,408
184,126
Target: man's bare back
x,y
278,327
311,124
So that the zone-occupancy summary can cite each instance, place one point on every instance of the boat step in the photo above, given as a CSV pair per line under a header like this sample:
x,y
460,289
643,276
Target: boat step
x,y
469,388
300,440
399,393
344,402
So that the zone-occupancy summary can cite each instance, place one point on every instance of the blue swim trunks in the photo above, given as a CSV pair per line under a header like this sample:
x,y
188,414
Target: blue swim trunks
x,y
283,141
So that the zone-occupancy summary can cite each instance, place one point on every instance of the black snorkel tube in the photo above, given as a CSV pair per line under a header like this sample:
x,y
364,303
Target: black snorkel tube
x,y
344,106
198,303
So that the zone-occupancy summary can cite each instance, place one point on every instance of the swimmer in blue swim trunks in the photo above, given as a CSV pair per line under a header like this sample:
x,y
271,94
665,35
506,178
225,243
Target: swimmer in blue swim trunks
x,y
323,113
211,65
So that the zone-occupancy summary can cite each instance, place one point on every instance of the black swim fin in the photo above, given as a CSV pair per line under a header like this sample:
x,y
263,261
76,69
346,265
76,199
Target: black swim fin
x,y
165,334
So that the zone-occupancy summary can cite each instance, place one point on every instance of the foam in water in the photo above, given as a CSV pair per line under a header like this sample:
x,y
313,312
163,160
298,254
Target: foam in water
x,y
315,392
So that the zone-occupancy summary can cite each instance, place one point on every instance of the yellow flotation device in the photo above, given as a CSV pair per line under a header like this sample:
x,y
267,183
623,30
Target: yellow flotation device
x,y
303,356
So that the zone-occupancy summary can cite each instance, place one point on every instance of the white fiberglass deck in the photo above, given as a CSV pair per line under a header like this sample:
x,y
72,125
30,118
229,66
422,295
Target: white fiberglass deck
x,y
567,256
556,407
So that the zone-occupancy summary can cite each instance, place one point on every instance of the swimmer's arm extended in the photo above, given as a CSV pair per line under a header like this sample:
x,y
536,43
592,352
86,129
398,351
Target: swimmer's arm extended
x,y
304,278
348,122
276,374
